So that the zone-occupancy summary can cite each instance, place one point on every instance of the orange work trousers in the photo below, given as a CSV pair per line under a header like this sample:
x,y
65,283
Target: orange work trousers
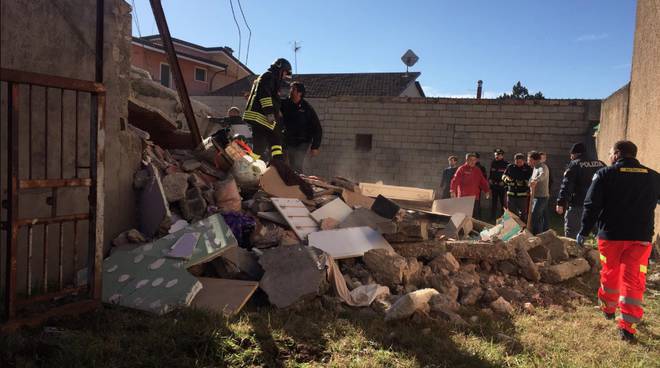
x,y
623,279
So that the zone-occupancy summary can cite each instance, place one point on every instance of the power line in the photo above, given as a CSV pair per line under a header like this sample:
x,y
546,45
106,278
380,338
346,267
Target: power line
x,y
137,21
247,53
231,4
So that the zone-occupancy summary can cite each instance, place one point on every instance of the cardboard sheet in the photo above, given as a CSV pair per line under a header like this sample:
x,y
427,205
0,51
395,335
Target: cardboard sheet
x,y
451,206
336,209
272,184
348,243
356,199
296,215
225,296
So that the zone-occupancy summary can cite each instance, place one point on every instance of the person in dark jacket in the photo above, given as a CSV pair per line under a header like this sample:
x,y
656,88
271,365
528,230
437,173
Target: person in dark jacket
x,y
302,129
497,168
516,178
576,181
447,175
622,199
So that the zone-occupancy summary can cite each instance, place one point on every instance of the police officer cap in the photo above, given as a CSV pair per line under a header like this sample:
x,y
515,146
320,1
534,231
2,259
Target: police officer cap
x,y
499,151
578,148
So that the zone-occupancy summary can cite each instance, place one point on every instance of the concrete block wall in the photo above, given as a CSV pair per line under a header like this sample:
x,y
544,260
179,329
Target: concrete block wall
x,y
412,137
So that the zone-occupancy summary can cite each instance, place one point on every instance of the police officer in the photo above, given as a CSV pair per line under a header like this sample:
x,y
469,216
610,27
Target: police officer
x,y
497,168
622,198
577,179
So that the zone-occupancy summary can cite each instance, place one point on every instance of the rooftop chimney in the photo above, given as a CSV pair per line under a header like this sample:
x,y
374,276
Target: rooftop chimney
x,y
479,83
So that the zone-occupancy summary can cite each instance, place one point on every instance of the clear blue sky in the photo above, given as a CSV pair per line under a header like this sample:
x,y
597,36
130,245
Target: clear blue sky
x,y
564,48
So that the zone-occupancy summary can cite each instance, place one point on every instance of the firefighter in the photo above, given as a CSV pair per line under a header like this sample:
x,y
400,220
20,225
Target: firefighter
x,y
497,168
622,199
574,185
516,178
262,112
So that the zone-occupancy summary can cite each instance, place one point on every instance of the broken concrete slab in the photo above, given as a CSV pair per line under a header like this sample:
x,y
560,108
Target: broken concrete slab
x,y
175,186
425,251
239,264
225,296
348,243
451,206
445,263
564,271
390,269
410,303
528,268
525,239
297,216
336,209
557,248
496,251
292,273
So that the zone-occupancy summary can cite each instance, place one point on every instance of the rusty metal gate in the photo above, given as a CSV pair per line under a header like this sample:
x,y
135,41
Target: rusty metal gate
x,y
53,257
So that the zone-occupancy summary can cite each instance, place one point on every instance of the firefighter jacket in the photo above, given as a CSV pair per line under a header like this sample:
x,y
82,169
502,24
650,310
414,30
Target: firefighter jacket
x,y
469,181
622,200
301,124
497,168
516,180
577,179
263,109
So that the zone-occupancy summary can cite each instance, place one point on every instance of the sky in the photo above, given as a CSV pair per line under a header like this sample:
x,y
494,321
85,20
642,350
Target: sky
x,y
563,48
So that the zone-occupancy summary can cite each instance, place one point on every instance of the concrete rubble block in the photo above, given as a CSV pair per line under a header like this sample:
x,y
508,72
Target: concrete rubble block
x,y
564,271
501,306
443,284
489,296
552,243
425,251
571,246
507,267
526,239
470,296
193,206
445,262
528,268
292,274
479,250
410,303
593,257
390,269
540,254
465,279
190,165
442,302
175,186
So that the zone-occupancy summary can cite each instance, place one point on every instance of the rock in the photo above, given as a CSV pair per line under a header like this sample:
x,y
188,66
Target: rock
x,y
507,267
175,186
525,239
266,235
501,306
479,250
329,223
464,279
444,285
528,268
550,241
445,262
425,251
471,295
510,294
571,246
409,288
539,254
488,312
135,236
390,269
443,302
292,274
529,308
190,165
564,271
411,303
193,206
593,257
489,296
381,305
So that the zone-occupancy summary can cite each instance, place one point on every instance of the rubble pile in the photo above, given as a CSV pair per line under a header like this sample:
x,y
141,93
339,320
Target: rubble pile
x,y
219,213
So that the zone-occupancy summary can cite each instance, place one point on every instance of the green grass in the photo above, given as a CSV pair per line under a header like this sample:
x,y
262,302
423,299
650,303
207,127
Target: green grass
x,y
569,336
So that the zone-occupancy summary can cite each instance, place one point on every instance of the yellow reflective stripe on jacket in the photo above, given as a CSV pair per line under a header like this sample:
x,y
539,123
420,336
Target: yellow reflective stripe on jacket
x,y
258,118
275,150
514,194
603,258
642,268
637,170
266,102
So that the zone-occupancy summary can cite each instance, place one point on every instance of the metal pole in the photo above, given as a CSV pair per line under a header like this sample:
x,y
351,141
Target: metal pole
x,y
181,89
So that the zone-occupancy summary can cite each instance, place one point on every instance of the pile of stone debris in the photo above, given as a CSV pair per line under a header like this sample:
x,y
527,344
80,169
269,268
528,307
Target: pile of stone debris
x,y
229,226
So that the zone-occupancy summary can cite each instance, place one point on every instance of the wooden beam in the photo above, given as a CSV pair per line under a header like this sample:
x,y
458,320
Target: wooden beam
x,y
395,192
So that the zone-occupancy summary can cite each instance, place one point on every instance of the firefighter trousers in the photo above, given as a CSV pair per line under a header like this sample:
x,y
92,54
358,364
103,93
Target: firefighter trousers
x,y
623,279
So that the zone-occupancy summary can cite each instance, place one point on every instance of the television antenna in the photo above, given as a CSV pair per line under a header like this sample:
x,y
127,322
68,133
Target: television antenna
x,y
409,58
297,45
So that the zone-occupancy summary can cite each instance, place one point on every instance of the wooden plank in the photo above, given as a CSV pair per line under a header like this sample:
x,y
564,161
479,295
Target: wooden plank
x,y
272,184
396,192
222,295
296,215
355,199
336,209
348,243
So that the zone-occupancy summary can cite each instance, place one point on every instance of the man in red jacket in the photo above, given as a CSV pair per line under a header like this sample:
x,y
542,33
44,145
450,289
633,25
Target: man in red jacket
x,y
469,180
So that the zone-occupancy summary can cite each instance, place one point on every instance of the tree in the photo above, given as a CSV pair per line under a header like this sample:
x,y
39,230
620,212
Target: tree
x,y
520,92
